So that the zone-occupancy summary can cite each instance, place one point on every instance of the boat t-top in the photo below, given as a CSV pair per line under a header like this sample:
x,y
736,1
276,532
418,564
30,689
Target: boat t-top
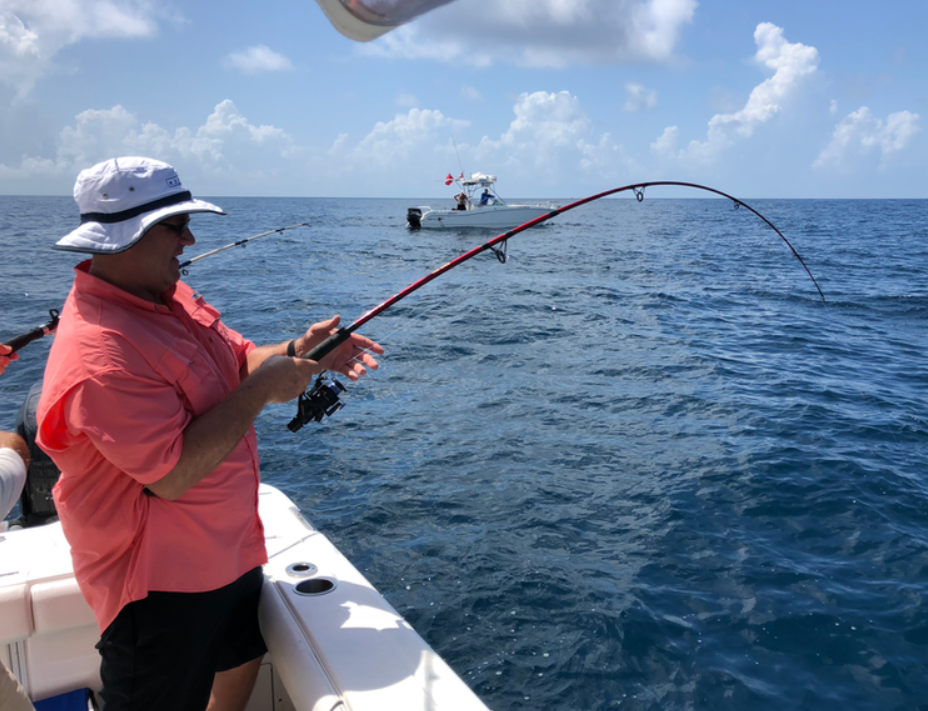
x,y
477,205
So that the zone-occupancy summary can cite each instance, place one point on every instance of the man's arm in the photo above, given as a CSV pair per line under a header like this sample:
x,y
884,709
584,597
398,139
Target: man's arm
x,y
267,376
348,359
211,437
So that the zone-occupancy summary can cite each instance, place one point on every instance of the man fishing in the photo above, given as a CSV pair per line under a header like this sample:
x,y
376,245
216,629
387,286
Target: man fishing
x,y
147,408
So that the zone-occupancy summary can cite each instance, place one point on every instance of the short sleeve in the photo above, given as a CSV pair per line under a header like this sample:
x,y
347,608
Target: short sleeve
x,y
136,423
240,345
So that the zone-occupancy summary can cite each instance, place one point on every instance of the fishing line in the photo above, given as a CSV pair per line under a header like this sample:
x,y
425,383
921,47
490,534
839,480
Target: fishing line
x,y
415,317
312,405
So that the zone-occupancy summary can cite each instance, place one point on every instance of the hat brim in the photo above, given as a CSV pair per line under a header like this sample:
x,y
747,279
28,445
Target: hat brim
x,y
113,238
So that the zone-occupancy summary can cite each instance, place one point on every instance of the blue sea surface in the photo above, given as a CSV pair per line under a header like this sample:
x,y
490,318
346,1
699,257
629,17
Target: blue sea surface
x,y
640,465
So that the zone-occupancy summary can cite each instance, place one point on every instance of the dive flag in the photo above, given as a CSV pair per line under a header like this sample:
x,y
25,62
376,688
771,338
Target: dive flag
x,y
449,179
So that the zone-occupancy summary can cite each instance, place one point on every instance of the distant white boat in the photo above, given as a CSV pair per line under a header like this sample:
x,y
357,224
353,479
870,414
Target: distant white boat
x,y
479,205
335,644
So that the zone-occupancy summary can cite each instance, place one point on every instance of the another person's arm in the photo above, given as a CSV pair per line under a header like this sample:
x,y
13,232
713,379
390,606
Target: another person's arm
x,y
6,356
14,462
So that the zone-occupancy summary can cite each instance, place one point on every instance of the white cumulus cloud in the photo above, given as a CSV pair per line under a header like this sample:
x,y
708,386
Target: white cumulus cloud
x,y
551,133
471,94
33,31
393,143
639,98
257,60
791,63
861,133
543,33
226,145
404,98
666,145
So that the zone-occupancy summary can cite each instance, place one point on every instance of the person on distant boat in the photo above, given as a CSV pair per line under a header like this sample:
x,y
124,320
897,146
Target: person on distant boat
x,y
461,199
147,408
485,197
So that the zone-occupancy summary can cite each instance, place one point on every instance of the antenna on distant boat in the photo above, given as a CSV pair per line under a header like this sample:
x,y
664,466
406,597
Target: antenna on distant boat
x,y
460,165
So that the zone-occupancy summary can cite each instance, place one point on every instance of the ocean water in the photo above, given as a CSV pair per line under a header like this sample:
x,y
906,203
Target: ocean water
x,y
641,465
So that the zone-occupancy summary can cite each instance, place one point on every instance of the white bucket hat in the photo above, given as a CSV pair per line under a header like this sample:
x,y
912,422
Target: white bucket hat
x,y
121,199
364,20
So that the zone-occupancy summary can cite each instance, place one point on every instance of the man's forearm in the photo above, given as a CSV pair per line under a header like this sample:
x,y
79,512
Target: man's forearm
x,y
260,354
210,438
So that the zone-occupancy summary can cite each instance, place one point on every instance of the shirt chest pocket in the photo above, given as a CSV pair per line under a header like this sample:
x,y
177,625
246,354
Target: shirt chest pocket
x,y
194,376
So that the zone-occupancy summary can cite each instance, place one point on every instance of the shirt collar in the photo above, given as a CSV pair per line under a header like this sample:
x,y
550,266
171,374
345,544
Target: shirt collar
x,y
90,284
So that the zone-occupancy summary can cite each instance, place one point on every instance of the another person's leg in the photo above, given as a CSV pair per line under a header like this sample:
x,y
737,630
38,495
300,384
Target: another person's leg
x,y
12,695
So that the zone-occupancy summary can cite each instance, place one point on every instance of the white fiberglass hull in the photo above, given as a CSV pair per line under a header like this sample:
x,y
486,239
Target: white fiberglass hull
x,y
334,642
498,217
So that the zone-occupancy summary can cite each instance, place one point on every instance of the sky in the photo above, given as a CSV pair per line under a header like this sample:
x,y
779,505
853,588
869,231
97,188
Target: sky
x,y
558,98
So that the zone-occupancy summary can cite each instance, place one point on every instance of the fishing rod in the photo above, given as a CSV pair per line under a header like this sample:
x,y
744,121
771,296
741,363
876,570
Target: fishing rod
x,y
322,398
241,242
23,340
18,342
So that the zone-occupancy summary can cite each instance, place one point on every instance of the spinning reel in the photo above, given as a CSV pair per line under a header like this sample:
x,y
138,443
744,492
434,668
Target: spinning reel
x,y
319,401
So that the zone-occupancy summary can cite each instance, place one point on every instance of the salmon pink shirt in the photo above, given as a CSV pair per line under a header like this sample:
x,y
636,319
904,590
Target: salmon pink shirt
x,y
124,378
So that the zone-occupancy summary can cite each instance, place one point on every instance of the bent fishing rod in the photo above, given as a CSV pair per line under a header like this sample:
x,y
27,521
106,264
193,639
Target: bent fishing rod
x,y
18,342
322,398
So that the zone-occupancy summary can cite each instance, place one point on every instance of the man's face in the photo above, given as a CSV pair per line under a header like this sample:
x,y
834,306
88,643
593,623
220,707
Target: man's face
x,y
154,258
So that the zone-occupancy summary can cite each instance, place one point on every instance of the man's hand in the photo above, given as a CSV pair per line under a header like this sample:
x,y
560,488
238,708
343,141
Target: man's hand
x,y
267,376
281,379
351,358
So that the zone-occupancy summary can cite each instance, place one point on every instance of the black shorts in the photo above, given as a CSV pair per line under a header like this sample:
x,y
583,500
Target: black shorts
x,y
163,652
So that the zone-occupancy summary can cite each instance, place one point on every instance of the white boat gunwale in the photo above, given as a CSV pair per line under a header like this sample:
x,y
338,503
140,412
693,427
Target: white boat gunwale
x,y
342,648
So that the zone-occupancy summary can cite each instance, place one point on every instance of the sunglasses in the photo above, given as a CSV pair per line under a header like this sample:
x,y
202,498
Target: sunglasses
x,y
178,230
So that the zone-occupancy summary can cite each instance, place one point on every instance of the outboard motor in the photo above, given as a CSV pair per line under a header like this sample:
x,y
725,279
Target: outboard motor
x,y
36,502
414,217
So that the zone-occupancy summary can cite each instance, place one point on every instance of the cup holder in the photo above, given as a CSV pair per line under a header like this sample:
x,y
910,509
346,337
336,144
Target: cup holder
x,y
301,570
315,586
